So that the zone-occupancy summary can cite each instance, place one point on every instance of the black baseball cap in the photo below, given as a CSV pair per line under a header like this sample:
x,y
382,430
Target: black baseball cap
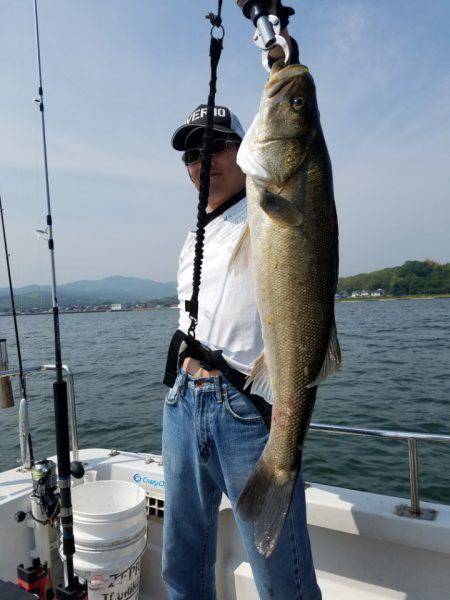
x,y
224,121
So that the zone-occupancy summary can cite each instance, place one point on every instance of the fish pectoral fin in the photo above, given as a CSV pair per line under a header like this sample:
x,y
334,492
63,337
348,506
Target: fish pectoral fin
x,y
260,381
280,209
240,259
332,360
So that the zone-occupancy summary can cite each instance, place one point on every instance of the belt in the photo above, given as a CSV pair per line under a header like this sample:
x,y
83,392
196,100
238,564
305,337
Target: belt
x,y
210,360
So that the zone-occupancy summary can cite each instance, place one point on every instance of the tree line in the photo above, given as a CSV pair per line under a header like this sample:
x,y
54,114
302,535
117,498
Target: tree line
x,y
413,277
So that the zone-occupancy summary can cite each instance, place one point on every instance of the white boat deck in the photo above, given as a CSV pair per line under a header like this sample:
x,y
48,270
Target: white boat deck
x,y
362,549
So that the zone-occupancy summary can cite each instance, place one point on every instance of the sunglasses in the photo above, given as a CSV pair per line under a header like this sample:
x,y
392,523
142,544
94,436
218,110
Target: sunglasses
x,y
217,147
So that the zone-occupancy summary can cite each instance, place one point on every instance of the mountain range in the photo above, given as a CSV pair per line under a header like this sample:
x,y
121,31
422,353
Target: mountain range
x,y
413,277
131,290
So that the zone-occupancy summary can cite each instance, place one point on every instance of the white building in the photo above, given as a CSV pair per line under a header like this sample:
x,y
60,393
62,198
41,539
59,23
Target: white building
x,y
378,292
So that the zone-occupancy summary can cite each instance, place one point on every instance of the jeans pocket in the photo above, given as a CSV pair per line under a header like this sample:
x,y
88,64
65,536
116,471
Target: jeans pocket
x,y
173,394
240,407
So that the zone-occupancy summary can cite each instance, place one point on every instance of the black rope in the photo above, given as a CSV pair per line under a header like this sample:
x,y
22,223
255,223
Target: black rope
x,y
216,20
215,51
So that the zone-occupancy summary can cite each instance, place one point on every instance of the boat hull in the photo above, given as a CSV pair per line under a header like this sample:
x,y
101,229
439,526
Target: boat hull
x,y
362,549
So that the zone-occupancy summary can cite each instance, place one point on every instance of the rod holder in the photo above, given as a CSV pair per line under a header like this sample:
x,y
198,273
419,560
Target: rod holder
x,y
6,391
71,396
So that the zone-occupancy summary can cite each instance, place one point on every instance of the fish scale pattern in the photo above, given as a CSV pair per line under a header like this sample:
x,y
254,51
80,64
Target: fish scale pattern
x,y
295,269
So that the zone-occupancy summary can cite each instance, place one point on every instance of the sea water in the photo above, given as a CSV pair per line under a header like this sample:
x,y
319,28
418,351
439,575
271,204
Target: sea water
x,y
395,375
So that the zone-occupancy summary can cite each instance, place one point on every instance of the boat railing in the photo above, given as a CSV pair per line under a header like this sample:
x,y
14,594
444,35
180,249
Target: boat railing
x,y
414,510
47,368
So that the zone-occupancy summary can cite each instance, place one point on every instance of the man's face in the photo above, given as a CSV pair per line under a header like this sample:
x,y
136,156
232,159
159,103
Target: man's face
x,y
227,178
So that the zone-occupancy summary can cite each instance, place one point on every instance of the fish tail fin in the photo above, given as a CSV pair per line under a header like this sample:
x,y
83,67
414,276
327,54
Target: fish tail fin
x,y
265,502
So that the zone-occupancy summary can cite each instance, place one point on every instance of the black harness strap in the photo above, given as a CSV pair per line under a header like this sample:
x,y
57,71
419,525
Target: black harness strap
x,y
210,360
173,359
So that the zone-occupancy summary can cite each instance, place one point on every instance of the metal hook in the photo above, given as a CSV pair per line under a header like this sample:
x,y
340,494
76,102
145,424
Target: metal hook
x,y
278,40
216,22
218,28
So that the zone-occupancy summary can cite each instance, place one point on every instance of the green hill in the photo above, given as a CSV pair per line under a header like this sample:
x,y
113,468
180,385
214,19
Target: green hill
x,y
413,277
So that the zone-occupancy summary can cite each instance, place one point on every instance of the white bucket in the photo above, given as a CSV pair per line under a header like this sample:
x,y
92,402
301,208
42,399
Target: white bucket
x,y
110,529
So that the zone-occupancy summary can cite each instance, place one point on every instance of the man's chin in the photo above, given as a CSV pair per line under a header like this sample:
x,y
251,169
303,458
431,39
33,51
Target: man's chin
x,y
216,185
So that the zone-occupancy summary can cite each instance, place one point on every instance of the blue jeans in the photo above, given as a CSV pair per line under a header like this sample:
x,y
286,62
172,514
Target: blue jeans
x,y
212,439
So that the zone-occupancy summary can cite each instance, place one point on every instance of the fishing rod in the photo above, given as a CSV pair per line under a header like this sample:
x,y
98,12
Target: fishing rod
x,y
26,447
73,589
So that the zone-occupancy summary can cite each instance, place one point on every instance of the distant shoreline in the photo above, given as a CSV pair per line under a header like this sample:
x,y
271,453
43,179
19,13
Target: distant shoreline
x,y
391,298
87,311
370,299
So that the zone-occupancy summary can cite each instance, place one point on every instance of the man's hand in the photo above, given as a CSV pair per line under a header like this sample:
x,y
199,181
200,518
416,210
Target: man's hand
x,y
282,12
253,9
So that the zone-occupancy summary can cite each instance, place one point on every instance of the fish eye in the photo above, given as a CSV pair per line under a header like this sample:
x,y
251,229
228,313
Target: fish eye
x,y
297,102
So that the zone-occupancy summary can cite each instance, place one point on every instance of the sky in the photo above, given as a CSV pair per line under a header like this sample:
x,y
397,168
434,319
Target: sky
x,y
121,75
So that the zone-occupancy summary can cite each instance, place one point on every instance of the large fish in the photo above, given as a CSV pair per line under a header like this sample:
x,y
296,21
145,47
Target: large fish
x,y
293,244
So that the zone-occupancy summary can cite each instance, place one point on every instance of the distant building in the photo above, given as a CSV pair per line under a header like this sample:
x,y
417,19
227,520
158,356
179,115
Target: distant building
x,y
360,294
116,307
378,292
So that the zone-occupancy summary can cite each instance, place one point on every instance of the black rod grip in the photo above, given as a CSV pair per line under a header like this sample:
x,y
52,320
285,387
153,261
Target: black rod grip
x,y
62,428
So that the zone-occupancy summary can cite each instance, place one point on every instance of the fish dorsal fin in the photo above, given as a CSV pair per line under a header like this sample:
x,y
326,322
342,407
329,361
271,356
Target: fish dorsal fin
x,y
260,381
240,259
332,360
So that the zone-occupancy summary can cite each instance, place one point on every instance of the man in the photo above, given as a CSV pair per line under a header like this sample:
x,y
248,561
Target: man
x,y
213,434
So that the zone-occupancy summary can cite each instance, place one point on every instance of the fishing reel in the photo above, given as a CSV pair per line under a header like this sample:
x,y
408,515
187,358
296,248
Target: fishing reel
x,y
45,494
269,17
44,497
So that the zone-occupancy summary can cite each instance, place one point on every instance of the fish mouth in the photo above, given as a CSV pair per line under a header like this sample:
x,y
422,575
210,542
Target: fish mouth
x,y
283,80
282,138
286,138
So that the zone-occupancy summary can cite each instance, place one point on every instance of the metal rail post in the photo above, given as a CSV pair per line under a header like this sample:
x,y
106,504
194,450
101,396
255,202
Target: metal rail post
x,y
414,476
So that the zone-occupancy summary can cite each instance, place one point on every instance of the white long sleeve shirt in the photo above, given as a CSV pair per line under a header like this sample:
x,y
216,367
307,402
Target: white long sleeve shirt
x,y
228,318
